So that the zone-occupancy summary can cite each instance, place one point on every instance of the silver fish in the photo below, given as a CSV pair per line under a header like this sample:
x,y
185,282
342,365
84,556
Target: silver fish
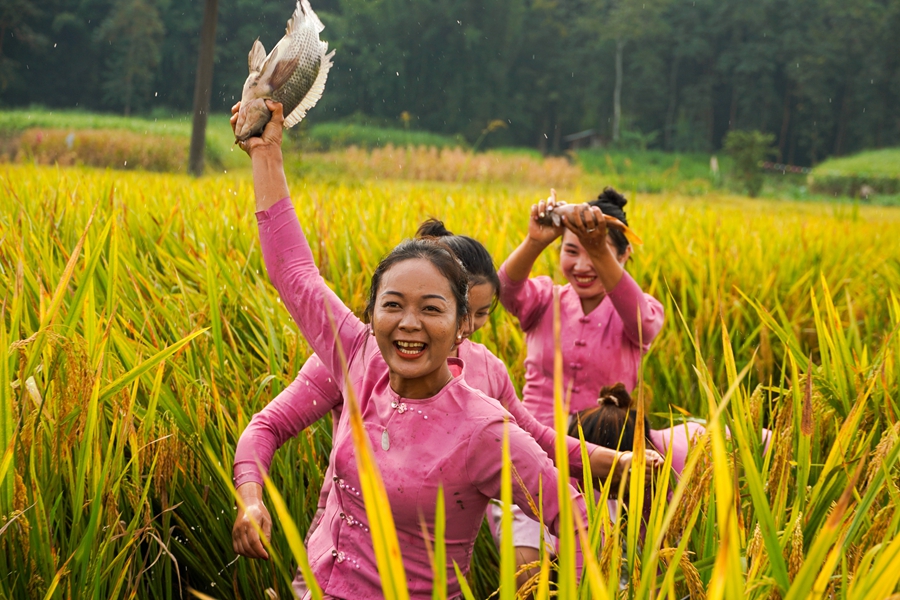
x,y
293,74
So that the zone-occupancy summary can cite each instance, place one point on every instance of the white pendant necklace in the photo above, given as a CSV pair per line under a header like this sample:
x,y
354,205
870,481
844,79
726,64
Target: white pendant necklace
x,y
385,440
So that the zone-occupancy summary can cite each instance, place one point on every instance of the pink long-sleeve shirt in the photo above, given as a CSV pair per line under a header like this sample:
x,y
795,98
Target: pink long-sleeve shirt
x,y
601,348
452,439
284,417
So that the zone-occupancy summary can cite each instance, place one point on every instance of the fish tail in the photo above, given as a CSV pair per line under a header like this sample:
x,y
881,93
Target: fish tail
x,y
302,13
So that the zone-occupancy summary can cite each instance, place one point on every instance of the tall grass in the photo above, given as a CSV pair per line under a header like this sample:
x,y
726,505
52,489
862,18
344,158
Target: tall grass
x,y
140,333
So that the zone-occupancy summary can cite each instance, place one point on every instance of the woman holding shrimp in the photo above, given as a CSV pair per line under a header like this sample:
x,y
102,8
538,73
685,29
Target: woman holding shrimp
x,y
607,321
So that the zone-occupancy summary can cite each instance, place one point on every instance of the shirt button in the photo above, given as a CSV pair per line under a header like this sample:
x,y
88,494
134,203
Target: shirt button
x,y
580,343
584,319
343,516
335,478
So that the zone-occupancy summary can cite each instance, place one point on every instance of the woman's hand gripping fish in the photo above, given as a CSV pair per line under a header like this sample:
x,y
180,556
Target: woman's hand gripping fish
x,y
293,74
555,212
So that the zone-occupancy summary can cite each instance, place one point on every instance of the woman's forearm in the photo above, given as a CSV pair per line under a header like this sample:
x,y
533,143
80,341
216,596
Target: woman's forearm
x,y
608,269
518,265
602,462
269,182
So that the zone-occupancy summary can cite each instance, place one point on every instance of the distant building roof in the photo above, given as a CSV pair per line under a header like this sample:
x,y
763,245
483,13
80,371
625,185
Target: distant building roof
x,y
574,137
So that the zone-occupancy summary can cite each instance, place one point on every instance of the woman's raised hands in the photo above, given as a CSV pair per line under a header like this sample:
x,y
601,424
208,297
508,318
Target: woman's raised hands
x,y
540,228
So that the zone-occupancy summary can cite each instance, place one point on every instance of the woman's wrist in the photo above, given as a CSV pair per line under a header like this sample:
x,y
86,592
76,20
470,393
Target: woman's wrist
x,y
266,152
269,181
250,492
605,461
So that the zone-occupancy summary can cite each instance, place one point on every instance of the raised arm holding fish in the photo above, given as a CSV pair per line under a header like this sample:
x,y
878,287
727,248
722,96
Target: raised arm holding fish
x,y
293,74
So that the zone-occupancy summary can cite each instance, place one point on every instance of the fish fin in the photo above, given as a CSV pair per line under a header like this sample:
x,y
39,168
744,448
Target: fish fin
x,y
257,56
282,72
302,12
315,92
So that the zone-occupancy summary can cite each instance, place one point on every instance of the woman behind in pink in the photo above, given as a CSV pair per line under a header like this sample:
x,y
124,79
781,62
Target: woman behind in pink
x,y
426,425
607,322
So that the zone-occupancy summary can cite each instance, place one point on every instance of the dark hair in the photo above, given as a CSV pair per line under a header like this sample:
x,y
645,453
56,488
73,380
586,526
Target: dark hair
x,y
439,255
472,253
612,203
611,420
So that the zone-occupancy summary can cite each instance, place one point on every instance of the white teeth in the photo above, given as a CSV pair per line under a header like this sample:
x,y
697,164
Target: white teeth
x,y
410,347
584,279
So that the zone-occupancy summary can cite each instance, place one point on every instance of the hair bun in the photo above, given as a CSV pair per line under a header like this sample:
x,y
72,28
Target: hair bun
x,y
615,395
433,228
611,196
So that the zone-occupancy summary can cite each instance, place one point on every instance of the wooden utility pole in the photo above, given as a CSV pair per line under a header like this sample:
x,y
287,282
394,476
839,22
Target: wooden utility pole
x,y
203,85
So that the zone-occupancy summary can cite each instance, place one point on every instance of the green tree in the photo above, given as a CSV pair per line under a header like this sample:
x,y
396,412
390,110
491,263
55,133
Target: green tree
x,y
133,32
630,21
17,26
748,149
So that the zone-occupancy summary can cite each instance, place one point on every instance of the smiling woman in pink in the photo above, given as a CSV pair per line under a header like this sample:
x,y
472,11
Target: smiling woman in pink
x,y
282,418
607,322
427,426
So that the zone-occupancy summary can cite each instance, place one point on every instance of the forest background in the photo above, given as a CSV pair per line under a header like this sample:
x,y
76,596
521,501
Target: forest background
x,y
823,76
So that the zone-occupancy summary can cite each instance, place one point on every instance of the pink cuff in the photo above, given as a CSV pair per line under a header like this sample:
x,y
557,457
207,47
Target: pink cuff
x,y
282,206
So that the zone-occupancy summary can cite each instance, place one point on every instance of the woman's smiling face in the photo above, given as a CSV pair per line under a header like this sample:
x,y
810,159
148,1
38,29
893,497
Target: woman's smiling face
x,y
578,269
415,325
481,301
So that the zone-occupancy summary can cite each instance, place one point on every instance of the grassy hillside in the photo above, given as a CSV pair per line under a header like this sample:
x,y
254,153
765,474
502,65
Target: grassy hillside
x,y
867,174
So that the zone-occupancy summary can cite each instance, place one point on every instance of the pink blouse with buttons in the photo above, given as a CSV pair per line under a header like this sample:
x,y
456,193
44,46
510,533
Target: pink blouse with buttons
x,y
452,439
283,418
601,348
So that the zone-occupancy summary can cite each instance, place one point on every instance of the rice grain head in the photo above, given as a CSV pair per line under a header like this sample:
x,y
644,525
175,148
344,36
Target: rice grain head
x,y
755,546
698,486
692,581
795,559
884,447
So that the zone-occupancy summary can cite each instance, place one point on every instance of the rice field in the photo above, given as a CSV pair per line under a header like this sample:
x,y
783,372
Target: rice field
x,y
140,334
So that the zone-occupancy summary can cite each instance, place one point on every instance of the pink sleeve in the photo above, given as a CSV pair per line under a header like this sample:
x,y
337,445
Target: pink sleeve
x,y
527,299
543,435
311,303
306,400
484,462
679,438
627,298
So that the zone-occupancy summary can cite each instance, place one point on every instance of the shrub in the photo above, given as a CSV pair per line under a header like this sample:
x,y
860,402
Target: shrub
x,y
103,148
748,149
327,136
863,174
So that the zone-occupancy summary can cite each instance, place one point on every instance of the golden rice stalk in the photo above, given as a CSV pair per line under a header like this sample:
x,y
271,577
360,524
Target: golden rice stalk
x,y
692,579
608,551
795,559
875,533
699,483
888,439
782,446
755,548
